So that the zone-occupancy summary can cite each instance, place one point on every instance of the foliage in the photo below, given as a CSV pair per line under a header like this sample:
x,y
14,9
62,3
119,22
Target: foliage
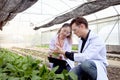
x,y
15,67
43,46
74,47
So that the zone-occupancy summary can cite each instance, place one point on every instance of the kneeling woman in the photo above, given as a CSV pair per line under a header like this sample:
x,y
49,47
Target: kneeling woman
x,y
64,40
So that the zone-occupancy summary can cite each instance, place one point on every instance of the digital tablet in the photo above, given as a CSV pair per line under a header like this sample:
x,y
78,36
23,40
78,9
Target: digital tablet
x,y
57,61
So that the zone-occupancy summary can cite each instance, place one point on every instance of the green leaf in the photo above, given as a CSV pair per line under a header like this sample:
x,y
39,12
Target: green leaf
x,y
55,68
11,67
35,72
60,76
43,70
13,78
1,62
3,76
35,77
24,66
72,75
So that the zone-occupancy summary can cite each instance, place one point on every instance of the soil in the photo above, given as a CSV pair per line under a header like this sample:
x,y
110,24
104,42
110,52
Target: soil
x,y
113,73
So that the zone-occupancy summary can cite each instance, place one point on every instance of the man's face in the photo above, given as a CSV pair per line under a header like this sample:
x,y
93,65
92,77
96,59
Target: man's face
x,y
77,29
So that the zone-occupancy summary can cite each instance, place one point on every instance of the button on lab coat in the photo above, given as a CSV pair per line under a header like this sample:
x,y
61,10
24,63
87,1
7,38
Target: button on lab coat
x,y
95,51
67,47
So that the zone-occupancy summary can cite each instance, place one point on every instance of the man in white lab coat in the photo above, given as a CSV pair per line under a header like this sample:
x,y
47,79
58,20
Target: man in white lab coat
x,y
91,55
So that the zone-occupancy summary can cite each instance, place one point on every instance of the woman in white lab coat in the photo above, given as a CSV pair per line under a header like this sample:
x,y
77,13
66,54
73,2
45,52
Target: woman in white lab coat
x,y
62,39
91,55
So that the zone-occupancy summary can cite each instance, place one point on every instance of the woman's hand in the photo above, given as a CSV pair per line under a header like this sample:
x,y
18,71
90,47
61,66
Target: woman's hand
x,y
59,50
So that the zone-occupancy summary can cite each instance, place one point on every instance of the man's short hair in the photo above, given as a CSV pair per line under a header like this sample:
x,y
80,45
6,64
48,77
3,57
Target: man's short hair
x,y
78,21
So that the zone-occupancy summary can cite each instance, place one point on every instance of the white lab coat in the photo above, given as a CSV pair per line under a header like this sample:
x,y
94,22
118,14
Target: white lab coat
x,y
67,47
94,50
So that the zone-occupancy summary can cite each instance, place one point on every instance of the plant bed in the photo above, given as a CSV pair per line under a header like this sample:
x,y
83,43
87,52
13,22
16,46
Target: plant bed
x,y
15,67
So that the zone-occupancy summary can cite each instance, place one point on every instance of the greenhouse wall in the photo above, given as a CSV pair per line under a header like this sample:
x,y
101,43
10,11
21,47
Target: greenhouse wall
x,y
106,28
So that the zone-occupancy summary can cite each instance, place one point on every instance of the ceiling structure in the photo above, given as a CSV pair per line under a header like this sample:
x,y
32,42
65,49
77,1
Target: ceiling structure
x,y
46,13
10,8
87,8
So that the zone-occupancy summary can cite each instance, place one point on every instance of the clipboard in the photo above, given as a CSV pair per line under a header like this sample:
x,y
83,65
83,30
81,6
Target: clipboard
x,y
57,61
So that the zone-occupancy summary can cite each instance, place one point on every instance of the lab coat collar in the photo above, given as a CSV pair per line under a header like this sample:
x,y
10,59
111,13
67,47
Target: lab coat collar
x,y
86,36
90,36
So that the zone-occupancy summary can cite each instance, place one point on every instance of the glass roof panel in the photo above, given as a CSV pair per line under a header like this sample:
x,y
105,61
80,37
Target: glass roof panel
x,y
91,17
106,12
47,9
118,8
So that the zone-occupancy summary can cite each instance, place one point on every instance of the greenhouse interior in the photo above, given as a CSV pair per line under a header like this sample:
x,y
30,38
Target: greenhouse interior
x,y
27,27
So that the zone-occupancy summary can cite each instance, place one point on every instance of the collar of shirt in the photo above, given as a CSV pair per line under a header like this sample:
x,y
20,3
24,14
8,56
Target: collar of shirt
x,y
84,41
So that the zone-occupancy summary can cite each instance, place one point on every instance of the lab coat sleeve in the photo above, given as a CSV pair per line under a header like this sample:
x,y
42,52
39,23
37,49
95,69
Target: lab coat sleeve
x,y
69,47
52,44
90,52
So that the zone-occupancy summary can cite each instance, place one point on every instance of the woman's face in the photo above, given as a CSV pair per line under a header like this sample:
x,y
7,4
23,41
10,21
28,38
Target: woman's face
x,y
65,31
